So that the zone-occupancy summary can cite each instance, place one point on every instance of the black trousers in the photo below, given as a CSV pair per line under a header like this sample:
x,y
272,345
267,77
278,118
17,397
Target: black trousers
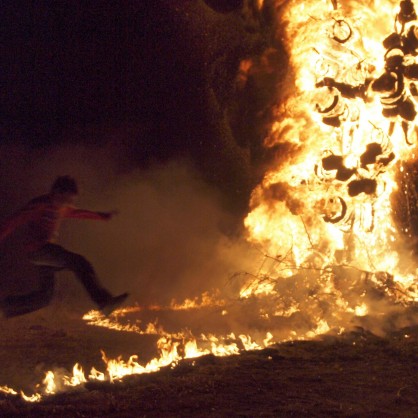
x,y
50,259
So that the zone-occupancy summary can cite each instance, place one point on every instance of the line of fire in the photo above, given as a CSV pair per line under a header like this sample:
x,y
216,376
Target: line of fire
x,y
334,219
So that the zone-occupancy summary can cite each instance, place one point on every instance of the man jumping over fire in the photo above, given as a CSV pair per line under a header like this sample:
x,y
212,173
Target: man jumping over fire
x,y
41,218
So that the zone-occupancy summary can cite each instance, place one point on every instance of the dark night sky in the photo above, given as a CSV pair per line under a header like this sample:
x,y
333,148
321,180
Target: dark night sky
x,y
144,103
156,77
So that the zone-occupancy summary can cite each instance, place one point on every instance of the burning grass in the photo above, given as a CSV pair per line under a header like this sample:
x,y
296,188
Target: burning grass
x,y
355,374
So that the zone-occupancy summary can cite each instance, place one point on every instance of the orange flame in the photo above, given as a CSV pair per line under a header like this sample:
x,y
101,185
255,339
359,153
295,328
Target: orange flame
x,y
306,210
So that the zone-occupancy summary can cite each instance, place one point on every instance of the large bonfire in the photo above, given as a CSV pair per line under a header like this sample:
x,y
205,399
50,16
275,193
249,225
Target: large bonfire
x,y
323,216
324,213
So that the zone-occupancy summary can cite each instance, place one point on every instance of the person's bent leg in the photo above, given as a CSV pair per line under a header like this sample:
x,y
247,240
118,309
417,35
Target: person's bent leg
x,y
55,256
58,257
85,273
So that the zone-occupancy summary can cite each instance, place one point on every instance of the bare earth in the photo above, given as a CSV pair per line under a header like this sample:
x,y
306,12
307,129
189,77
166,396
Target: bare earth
x,y
354,375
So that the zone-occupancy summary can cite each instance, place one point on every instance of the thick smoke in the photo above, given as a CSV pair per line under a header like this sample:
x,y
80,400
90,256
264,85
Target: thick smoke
x,y
167,132
169,240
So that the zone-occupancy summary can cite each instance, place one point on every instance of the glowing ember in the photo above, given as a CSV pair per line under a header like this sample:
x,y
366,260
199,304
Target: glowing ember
x,y
361,310
322,328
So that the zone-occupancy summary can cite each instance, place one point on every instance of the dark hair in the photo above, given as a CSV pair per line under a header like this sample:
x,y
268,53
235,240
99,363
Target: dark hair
x,y
64,184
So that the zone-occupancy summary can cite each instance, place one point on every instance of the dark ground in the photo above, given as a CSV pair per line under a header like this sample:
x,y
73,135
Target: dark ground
x,y
148,81
354,375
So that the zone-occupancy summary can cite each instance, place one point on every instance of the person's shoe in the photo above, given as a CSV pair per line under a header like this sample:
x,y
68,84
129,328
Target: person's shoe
x,y
113,303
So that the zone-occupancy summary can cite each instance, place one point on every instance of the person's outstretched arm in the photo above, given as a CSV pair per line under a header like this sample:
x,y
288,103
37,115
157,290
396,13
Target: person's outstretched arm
x,y
88,214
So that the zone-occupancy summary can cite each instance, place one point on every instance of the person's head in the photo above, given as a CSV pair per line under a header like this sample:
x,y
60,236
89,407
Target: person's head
x,y
64,190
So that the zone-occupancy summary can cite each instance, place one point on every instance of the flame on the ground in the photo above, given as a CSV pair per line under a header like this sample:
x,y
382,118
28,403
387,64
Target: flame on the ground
x,y
169,348
96,318
207,299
